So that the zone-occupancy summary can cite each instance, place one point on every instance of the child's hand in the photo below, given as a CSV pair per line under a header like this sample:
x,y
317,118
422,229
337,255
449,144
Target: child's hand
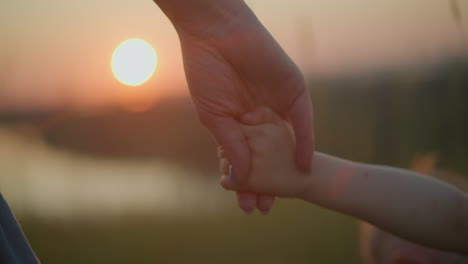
x,y
273,169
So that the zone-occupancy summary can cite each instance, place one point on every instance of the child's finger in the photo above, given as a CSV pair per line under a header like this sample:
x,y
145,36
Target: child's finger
x,y
254,133
250,130
260,116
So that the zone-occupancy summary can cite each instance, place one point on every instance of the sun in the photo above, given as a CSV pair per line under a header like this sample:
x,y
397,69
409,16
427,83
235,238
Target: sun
x,y
134,62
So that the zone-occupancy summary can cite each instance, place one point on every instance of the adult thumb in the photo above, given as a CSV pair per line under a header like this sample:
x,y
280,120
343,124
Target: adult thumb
x,y
300,116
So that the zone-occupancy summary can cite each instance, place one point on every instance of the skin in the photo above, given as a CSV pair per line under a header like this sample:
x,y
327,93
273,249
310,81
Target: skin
x,y
410,205
380,247
233,65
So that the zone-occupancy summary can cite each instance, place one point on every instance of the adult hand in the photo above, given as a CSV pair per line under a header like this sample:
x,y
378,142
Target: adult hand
x,y
233,66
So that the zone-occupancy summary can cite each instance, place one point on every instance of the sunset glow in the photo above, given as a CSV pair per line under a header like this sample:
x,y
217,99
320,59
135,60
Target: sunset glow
x,y
134,62
70,62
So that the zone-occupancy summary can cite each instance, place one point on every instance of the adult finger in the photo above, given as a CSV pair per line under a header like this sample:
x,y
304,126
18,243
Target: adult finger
x,y
260,116
247,201
265,203
220,152
226,183
301,118
229,135
224,166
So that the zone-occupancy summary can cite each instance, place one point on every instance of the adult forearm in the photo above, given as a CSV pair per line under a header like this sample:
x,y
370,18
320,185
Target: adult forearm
x,y
198,16
405,203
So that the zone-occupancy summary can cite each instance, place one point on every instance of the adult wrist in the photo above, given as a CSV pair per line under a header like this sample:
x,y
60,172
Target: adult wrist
x,y
207,18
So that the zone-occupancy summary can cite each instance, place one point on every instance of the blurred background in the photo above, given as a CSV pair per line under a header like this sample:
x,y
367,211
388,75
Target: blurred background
x,y
100,172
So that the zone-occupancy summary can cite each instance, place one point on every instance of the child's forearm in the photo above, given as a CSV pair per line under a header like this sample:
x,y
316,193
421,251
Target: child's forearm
x,y
405,203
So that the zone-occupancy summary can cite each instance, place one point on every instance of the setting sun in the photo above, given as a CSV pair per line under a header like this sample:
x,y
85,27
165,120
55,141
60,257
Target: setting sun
x,y
134,62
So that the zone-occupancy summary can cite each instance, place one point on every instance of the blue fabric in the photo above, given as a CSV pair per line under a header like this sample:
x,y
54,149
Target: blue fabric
x,y
14,248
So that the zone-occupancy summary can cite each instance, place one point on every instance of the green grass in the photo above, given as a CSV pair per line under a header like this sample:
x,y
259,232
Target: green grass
x,y
294,232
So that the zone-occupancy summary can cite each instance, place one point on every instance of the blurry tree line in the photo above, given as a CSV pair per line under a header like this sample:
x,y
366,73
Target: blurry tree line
x,y
388,118
385,118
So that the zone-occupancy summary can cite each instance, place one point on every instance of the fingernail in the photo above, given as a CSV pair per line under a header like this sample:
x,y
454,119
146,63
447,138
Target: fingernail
x,y
233,175
265,212
249,212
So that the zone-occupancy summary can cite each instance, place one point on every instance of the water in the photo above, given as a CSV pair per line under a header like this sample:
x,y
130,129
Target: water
x,y
43,181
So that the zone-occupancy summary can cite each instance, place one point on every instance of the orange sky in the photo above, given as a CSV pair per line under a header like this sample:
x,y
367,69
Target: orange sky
x,y
56,52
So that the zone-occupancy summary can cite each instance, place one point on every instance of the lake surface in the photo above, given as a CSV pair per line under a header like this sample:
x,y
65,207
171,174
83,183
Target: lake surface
x,y
44,181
